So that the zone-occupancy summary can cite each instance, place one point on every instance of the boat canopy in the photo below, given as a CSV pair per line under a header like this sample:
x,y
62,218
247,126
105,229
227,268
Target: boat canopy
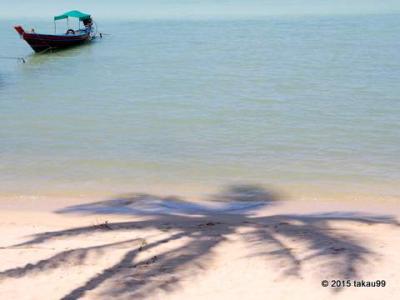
x,y
73,14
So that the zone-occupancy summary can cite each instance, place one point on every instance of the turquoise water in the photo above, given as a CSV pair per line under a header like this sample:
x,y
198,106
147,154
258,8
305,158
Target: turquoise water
x,y
305,105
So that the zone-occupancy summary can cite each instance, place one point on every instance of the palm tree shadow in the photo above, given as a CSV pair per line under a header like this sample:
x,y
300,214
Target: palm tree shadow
x,y
194,231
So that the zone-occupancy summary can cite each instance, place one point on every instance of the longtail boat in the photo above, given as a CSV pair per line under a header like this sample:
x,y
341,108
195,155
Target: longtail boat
x,y
43,42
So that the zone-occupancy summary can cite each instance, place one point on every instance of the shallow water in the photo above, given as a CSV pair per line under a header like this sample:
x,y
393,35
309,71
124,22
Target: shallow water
x,y
305,105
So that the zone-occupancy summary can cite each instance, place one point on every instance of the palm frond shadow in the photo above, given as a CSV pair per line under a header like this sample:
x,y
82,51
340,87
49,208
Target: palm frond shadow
x,y
201,228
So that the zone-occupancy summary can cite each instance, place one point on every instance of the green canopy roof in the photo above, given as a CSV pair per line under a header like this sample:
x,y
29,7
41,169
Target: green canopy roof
x,y
73,14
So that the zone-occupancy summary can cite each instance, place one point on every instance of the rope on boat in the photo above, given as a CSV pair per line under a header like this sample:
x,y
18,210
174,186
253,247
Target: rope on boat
x,y
21,59
46,50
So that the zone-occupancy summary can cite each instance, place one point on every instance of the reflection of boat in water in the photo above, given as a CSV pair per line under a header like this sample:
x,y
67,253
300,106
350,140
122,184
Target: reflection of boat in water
x,y
42,42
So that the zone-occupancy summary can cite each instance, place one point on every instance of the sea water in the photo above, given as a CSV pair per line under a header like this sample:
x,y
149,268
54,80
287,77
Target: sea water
x,y
308,106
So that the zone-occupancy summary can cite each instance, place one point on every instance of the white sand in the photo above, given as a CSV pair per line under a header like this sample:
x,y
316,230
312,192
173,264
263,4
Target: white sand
x,y
280,252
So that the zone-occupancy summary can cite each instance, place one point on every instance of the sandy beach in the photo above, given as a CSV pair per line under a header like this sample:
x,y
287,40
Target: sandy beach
x,y
246,245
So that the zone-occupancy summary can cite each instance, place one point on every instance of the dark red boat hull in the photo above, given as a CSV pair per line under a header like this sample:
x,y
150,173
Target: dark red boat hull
x,y
43,42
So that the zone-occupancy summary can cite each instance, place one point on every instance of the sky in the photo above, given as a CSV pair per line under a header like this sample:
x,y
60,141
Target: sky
x,y
164,9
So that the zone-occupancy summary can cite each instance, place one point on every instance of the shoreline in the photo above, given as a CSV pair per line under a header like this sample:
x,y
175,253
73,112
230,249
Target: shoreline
x,y
52,201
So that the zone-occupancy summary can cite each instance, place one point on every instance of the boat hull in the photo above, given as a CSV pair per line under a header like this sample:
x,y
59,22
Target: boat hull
x,y
43,42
